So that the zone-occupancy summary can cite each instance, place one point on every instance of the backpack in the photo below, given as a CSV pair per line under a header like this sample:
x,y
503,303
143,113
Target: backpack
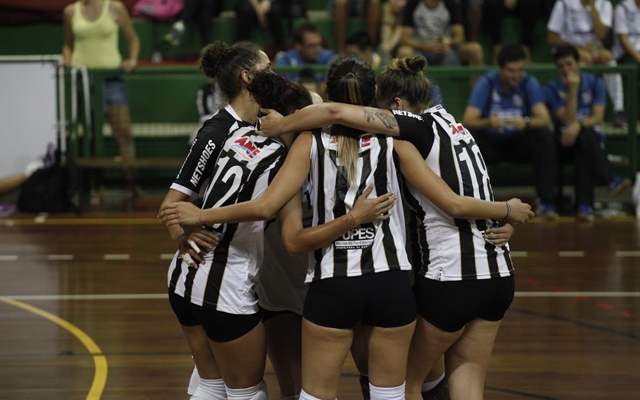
x,y
158,10
51,189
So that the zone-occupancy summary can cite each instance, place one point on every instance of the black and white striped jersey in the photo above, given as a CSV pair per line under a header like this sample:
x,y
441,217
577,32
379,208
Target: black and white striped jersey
x,y
245,167
369,248
451,249
199,163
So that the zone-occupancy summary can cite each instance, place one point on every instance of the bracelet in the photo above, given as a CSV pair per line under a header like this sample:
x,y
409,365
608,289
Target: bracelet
x,y
355,224
508,210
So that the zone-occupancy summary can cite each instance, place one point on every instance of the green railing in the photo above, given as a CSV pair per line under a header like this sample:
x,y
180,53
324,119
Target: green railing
x,y
167,94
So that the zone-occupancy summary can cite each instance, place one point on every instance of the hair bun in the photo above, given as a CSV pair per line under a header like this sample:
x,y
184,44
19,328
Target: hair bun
x,y
416,64
211,57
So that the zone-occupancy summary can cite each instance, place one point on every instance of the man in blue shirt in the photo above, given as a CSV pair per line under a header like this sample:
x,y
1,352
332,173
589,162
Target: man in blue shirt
x,y
577,101
508,119
308,49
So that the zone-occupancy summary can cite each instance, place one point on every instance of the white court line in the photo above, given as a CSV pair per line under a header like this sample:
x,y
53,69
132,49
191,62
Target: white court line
x,y
155,296
627,253
8,258
571,254
167,256
116,257
519,253
60,257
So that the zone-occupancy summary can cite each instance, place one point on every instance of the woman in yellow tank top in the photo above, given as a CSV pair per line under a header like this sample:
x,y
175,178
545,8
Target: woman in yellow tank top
x,y
91,40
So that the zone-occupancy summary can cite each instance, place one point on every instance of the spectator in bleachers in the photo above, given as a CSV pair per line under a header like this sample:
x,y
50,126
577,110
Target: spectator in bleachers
x,y
472,15
577,101
434,29
91,30
626,23
265,14
585,24
507,116
359,44
209,100
342,10
202,13
391,31
526,11
307,49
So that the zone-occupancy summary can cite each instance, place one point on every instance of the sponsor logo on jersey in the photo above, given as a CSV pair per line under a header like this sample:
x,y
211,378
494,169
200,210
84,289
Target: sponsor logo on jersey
x,y
246,147
458,128
358,238
406,114
202,162
365,142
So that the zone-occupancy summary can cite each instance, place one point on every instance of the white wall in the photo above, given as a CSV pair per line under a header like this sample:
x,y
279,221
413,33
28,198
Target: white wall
x,y
28,119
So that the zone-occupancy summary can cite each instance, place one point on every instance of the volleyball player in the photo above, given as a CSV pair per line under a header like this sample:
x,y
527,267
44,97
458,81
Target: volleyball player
x,y
324,349
473,286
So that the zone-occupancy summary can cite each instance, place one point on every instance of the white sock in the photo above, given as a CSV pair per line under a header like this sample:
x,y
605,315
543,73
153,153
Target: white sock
x,y
430,385
257,392
193,382
614,87
179,26
387,393
33,166
306,396
210,389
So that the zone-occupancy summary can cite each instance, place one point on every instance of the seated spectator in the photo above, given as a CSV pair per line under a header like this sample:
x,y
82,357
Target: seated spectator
x,y
526,11
359,44
209,100
13,182
342,10
626,43
391,31
265,14
472,15
434,29
307,49
202,13
577,101
585,24
507,117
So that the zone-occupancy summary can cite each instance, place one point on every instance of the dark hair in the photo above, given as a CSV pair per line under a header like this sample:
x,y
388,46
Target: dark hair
x,y
510,53
298,33
404,78
279,93
307,74
564,51
350,80
360,39
218,60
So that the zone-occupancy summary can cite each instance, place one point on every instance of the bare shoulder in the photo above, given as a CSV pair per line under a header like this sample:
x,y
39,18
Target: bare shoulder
x,y
118,8
69,10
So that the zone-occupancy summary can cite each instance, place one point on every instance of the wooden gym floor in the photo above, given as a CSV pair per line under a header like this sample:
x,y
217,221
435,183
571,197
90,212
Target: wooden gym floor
x,y
84,313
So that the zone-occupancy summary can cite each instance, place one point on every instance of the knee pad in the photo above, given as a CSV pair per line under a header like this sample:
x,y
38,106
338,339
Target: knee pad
x,y
306,396
193,381
210,389
257,392
387,393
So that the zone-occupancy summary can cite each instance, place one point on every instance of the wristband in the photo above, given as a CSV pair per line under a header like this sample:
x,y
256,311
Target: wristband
x,y
508,210
355,224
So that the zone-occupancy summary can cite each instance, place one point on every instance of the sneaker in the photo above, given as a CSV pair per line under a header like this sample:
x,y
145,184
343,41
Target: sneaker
x,y
173,37
440,392
617,185
7,209
547,211
619,119
585,212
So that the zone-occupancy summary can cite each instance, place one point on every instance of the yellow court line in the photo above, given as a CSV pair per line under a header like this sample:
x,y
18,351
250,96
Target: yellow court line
x,y
100,361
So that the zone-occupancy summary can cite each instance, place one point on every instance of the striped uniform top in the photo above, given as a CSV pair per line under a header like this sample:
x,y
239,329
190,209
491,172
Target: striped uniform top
x,y
368,248
204,151
245,167
451,249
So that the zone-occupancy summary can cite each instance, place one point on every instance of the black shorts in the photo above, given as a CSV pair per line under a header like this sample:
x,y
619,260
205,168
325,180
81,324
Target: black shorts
x,y
382,299
451,305
219,326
